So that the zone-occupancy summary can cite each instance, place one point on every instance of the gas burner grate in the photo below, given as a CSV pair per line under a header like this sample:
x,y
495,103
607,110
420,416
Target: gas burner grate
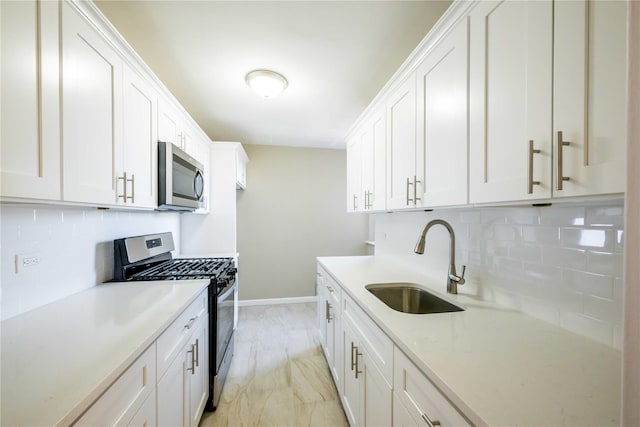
x,y
188,268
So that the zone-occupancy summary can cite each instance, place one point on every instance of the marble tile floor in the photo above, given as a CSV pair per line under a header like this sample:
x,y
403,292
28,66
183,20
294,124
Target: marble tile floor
x,y
278,376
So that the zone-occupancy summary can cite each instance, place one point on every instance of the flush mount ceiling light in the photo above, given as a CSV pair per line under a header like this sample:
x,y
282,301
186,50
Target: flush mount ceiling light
x,y
266,83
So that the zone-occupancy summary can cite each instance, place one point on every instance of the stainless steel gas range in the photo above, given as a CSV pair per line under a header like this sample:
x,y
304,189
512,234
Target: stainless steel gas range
x,y
149,257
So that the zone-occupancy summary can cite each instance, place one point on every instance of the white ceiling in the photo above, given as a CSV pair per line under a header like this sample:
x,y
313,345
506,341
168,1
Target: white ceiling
x,y
336,56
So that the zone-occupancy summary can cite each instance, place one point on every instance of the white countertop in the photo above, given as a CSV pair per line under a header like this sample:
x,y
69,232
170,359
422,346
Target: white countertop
x,y
499,366
57,359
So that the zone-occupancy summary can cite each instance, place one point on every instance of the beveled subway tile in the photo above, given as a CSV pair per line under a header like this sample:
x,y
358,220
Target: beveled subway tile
x,y
564,257
563,216
541,234
589,283
604,263
603,240
608,216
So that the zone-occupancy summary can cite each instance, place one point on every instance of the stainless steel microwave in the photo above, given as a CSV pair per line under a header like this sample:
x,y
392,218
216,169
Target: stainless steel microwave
x,y
180,179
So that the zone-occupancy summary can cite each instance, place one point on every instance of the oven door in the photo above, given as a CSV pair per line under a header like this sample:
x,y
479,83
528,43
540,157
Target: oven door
x,y
224,321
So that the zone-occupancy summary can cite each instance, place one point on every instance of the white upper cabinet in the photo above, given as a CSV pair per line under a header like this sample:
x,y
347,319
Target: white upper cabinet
x,y
404,155
30,132
373,140
354,175
366,165
442,106
91,113
140,153
510,100
589,97
168,124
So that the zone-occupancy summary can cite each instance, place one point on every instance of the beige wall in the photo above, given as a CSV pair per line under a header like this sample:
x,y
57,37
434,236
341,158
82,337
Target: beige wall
x,y
293,210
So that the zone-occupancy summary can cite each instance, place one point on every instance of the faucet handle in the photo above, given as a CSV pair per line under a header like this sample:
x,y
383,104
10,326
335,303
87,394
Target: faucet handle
x,y
462,281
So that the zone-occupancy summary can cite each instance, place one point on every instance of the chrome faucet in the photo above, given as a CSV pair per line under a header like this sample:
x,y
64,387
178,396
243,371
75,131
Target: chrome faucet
x,y
453,280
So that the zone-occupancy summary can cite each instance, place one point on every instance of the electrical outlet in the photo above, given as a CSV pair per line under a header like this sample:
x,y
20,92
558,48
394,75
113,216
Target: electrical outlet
x,y
26,261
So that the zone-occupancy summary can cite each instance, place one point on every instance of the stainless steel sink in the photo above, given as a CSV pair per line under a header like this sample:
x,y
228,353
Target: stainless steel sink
x,y
410,298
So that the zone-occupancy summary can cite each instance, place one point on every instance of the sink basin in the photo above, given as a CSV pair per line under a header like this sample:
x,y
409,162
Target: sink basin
x,y
410,298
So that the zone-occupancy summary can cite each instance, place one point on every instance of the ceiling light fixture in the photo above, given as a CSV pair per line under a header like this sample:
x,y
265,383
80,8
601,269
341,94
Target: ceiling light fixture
x,y
266,83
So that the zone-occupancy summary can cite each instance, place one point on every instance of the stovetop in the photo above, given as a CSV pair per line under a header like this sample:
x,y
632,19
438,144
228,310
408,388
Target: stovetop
x,y
188,268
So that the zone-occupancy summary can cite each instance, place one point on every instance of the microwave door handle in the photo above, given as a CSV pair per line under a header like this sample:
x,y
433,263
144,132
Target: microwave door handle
x,y
196,179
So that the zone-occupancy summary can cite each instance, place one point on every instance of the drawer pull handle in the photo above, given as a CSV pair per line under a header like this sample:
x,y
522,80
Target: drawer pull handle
x,y
328,316
415,189
193,362
530,181
358,371
561,144
429,422
190,324
197,352
353,347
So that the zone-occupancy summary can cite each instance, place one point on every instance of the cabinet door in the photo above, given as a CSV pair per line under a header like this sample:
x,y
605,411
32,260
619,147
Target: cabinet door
x,y
403,172
199,376
420,397
378,397
442,104
352,393
401,415
355,200
366,165
172,400
91,112
510,100
168,127
373,141
30,131
590,57
379,181
146,416
140,140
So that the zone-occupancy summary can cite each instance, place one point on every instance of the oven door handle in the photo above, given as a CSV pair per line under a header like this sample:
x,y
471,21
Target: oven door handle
x,y
230,290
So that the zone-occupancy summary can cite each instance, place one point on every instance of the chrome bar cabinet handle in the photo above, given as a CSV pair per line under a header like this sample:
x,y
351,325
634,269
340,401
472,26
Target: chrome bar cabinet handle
x,y
353,348
430,423
561,144
197,352
193,362
133,186
358,371
123,196
408,184
415,189
530,181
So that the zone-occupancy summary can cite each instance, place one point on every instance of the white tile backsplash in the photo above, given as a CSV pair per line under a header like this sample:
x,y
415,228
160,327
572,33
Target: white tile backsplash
x,y
561,264
75,247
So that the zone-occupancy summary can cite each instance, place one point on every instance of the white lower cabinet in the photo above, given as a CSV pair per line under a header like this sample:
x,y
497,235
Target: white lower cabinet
x,y
378,385
183,367
422,400
368,360
146,416
126,396
329,323
168,385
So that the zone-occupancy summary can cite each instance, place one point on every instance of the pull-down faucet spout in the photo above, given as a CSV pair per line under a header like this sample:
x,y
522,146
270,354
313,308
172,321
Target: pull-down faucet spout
x,y
453,280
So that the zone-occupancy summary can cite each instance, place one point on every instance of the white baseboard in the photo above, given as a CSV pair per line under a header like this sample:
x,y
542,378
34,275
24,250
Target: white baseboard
x,y
273,301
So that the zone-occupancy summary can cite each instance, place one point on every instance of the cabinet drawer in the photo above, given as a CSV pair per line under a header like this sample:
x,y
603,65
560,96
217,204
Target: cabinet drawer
x,y
177,334
420,397
123,399
334,291
378,345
